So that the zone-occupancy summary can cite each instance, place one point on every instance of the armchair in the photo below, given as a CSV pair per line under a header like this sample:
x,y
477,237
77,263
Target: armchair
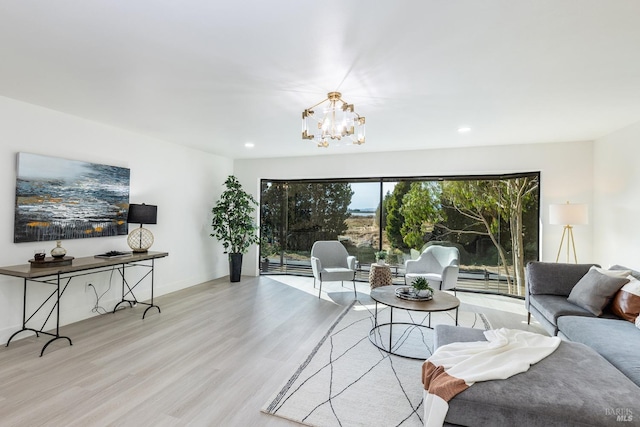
x,y
330,261
440,265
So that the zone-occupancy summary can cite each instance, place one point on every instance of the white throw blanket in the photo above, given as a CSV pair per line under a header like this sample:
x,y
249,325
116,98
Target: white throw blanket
x,y
455,367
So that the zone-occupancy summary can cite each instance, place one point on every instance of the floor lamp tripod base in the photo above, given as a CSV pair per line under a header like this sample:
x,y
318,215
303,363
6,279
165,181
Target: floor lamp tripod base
x,y
568,233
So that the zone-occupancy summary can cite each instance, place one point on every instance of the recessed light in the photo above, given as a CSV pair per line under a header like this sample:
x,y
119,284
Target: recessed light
x,y
249,145
464,129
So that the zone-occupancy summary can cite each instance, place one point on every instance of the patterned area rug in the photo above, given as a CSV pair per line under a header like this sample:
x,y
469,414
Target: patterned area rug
x,y
348,381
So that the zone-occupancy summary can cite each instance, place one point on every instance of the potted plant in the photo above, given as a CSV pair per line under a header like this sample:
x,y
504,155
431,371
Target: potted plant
x,y
381,256
422,288
233,224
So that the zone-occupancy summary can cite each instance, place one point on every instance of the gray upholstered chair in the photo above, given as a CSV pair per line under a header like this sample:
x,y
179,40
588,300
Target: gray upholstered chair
x,y
330,262
440,265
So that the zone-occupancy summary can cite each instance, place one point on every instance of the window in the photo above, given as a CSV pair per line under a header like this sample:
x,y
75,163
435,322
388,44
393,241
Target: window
x,y
492,220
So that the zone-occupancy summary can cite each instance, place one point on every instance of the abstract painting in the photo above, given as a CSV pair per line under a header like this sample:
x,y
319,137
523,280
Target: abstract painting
x,y
59,199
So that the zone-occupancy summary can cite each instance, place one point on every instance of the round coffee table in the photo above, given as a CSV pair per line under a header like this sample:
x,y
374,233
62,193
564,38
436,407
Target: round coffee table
x,y
386,295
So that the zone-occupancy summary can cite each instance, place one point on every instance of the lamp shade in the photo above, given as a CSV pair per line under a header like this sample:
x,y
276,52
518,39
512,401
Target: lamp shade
x,y
142,214
568,214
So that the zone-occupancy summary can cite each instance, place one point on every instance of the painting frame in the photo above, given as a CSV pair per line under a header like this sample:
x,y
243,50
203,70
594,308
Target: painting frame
x,y
62,199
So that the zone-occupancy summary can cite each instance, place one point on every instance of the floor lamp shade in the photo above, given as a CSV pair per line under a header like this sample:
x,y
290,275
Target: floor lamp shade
x,y
141,239
568,215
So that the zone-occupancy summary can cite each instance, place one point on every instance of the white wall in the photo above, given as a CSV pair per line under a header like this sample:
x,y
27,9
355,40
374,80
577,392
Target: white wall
x,y
566,175
617,198
184,183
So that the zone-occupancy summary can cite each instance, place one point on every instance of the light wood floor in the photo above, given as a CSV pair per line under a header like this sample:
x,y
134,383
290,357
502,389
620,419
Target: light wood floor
x,y
213,357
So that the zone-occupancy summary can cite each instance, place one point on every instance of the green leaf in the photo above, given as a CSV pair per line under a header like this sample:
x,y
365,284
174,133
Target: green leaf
x,y
232,221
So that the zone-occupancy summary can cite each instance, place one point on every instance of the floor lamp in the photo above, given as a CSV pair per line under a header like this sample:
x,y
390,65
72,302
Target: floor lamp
x,y
568,215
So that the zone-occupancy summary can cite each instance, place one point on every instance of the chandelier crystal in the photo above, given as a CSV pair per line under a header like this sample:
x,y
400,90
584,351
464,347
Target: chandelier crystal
x,y
334,121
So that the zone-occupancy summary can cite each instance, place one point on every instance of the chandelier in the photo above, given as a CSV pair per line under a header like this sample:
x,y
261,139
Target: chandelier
x,y
332,122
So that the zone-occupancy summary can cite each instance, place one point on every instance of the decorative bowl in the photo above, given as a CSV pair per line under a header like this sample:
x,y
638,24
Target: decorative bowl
x,y
409,293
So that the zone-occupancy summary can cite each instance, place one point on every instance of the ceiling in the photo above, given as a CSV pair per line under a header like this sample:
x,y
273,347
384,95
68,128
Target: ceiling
x,y
215,75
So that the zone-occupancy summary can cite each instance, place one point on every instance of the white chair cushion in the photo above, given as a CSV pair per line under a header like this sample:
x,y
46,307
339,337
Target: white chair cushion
x,y
337,270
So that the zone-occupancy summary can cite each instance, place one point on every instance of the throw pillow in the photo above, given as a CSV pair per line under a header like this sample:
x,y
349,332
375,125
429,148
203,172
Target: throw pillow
x,y
626,303
594,291
614,273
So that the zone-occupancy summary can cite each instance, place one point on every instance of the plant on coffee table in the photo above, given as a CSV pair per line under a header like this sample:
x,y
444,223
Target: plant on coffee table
x,y
421,287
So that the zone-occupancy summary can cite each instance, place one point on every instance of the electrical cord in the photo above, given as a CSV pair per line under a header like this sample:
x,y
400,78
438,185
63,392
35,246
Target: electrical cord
x,y
97,308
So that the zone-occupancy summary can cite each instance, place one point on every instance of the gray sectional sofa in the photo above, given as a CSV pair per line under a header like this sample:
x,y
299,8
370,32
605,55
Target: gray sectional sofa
x,y
592,379
573,387
616,339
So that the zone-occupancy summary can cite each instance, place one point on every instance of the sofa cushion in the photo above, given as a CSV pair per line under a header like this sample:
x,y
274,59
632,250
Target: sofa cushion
x,y
554,278
554,306
574,386
626,302
634,273
614,272
595,290
616,340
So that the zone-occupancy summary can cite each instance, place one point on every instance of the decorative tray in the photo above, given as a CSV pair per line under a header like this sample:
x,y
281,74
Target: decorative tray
x,y
113,254
408,293
51,262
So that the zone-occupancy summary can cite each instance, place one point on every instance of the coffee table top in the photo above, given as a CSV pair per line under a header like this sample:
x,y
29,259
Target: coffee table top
x,y
441,301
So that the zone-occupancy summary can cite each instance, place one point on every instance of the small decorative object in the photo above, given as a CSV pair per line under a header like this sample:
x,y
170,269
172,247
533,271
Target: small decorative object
x,y
409,293
51,262
58,251
141,239
39,255
381,256
233,224
422,288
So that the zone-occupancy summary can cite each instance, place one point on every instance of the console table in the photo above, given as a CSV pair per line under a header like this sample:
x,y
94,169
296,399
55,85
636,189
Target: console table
x,y
60,277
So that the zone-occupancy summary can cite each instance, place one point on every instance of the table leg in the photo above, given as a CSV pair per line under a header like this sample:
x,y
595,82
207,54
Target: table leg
x,y
129,289
57,334
24,316
390,329
131,303
153,305
375,316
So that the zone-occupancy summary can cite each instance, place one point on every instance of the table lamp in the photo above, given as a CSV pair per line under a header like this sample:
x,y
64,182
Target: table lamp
x,y
141,239
568,215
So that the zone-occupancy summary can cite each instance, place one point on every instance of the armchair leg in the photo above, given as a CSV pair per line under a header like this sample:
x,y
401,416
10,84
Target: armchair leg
x,y
355,293
320,290
528,318
314,283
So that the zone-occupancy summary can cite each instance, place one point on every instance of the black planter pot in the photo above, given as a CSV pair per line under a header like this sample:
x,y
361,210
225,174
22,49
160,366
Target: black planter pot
x,y
235,267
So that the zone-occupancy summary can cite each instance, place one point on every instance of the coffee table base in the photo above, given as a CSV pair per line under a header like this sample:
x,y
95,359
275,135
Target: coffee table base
x,y
407,330
373,338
